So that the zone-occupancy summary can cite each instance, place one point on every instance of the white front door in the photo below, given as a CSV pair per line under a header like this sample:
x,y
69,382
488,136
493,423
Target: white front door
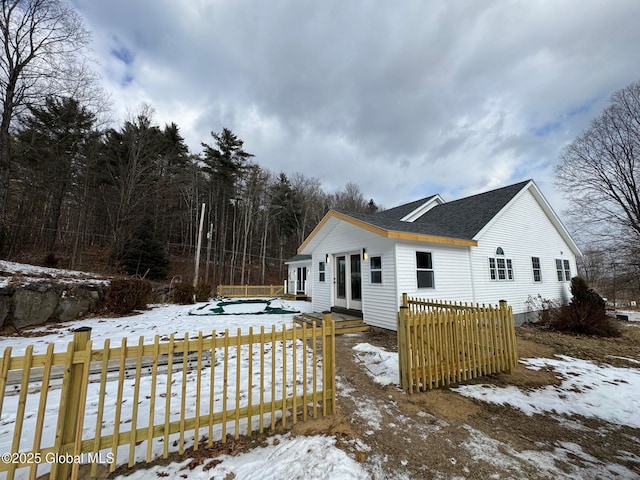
x,y
348,281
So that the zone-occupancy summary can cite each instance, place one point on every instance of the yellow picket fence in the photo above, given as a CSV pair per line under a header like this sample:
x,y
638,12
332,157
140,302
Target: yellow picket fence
x,y
441,343
250,290
83,404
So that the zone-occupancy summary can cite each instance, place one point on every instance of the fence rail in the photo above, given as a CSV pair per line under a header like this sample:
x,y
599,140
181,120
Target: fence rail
x,y
251,290
164,392
441,343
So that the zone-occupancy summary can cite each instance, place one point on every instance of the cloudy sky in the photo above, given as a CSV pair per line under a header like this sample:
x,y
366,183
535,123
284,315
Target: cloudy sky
x,y
404,98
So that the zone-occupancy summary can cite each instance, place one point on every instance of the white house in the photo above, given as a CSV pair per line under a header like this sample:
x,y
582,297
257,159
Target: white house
x,y
297,282
505,244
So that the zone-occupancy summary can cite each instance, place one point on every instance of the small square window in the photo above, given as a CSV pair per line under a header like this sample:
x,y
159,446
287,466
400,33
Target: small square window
x,y
375,269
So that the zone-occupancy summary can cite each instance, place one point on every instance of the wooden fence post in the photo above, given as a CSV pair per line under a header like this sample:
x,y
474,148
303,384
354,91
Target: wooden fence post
x,y
405,300
70,410
510,335
403,347
329,361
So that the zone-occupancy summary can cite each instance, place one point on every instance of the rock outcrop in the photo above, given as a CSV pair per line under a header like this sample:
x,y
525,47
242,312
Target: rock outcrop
x,y
36,303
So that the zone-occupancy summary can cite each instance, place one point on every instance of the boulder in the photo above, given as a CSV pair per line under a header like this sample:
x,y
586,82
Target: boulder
x,y
71,308
5,303
34,305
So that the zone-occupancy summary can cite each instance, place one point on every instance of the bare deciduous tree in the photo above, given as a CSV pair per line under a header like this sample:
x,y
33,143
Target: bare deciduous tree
x,y
599,171
41,43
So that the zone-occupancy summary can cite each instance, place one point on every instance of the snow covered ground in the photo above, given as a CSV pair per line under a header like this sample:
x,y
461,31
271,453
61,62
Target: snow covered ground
x,y
632,315
25,273
587,388
284,455
162,320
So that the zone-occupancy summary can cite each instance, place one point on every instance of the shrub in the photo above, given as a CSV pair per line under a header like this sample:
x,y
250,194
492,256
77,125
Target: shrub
x,y
585,314
182,293
127,295
50,260
203,292
544,309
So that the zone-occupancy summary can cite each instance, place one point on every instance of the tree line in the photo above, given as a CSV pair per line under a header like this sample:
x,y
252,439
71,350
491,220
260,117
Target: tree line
x,y
76,193
71,188
135,193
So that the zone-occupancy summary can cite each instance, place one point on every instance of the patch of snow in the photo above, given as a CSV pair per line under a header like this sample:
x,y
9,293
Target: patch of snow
x,y
632,315
588,389
300,457
33,273
626,359
380,365
371,414
574,461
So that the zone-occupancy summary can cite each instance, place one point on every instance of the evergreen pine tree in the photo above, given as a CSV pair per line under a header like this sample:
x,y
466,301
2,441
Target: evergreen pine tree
x,y
144,255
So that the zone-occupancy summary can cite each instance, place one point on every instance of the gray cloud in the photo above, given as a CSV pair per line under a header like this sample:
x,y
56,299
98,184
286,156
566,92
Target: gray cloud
x,y
406,98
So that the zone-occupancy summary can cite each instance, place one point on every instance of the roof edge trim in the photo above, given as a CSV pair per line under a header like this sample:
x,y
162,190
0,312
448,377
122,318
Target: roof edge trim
x,y
416,237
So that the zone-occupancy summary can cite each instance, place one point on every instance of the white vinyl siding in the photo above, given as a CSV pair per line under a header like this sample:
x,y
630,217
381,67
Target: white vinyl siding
x,y
375,269
523,231
450,268
379,301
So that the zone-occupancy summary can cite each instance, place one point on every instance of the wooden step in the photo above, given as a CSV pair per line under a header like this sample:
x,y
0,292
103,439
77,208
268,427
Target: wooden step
x,y
343,325
342,330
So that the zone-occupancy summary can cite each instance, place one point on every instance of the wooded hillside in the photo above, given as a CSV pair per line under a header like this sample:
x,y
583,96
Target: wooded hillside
x,y
131,197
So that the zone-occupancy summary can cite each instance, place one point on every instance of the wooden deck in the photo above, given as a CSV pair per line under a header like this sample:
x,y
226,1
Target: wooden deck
x,y
344,323
296,296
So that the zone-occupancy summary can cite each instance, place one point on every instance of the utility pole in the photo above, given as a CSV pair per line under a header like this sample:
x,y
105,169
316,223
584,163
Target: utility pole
x,y
195,276
206,265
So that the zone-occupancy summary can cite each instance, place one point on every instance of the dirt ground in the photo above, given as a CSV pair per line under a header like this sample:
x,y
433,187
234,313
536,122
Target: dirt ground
x,y
420,435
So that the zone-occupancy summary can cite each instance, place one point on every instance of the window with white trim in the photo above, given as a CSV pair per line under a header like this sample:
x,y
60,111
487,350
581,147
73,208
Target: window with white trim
x,y
563,270
321,271
375,269
537,271
500,268
424,270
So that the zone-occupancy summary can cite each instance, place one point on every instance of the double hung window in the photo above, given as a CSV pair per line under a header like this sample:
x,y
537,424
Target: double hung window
x,y
424,270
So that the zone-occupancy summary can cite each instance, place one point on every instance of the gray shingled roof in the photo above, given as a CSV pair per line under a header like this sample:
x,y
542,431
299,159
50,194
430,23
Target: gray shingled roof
x,y
396,213
462,218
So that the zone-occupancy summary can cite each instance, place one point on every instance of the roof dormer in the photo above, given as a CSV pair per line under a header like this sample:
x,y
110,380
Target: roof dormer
x,y
422,209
